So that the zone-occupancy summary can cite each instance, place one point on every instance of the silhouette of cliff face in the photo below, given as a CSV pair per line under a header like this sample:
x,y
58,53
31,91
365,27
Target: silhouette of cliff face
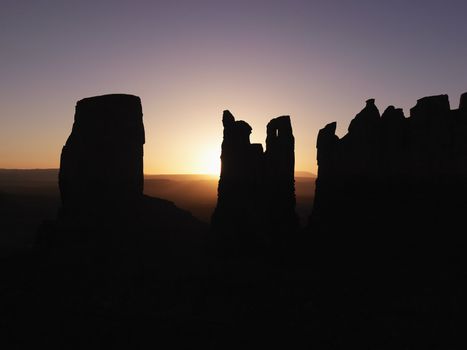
x,y
392,174
102,161
239,191
463,103
256,193
101,187
279,163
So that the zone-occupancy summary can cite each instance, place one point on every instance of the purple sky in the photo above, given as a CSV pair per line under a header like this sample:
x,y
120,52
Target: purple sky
x,y
317,61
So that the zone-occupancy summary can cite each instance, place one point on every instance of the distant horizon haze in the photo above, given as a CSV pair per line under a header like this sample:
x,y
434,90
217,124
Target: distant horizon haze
x,y
298,173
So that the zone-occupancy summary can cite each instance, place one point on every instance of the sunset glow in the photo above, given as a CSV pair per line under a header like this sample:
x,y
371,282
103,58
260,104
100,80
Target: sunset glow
x,y
160,185
189,60
211,163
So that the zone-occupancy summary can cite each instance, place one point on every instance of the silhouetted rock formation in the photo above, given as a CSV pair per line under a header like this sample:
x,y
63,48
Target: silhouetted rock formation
x,y
113,254
386,226
123,274
393,175
279,163
102,161
101,183
256,194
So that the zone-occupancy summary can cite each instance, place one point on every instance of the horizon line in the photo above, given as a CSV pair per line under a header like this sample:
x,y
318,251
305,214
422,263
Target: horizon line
x,y
171,173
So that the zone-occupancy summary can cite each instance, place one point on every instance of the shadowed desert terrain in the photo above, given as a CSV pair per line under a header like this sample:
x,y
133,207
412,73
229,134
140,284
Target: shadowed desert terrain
x,y
27,197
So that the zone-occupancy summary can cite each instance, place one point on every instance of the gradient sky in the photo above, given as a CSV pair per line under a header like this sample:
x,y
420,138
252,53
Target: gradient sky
x,y
317,61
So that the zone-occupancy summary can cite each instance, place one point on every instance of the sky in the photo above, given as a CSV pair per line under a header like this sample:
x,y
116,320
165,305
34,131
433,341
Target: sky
x,y
317,61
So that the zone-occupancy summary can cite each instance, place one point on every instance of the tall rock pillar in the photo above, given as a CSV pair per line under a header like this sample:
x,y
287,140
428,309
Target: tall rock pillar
x,y
101,165
280,176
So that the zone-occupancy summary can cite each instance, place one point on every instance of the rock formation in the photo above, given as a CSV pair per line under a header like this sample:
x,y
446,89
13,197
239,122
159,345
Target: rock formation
x,y
101,164
256,194
241,171
279,168
101,186
393,176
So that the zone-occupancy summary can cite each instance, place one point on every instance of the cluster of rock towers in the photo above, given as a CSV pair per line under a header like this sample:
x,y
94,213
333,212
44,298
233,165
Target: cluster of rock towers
x,y
101,179
388,172
256,191
394,174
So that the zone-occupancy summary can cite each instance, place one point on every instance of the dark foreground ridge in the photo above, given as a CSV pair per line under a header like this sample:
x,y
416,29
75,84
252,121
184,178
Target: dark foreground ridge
x,y
381,264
